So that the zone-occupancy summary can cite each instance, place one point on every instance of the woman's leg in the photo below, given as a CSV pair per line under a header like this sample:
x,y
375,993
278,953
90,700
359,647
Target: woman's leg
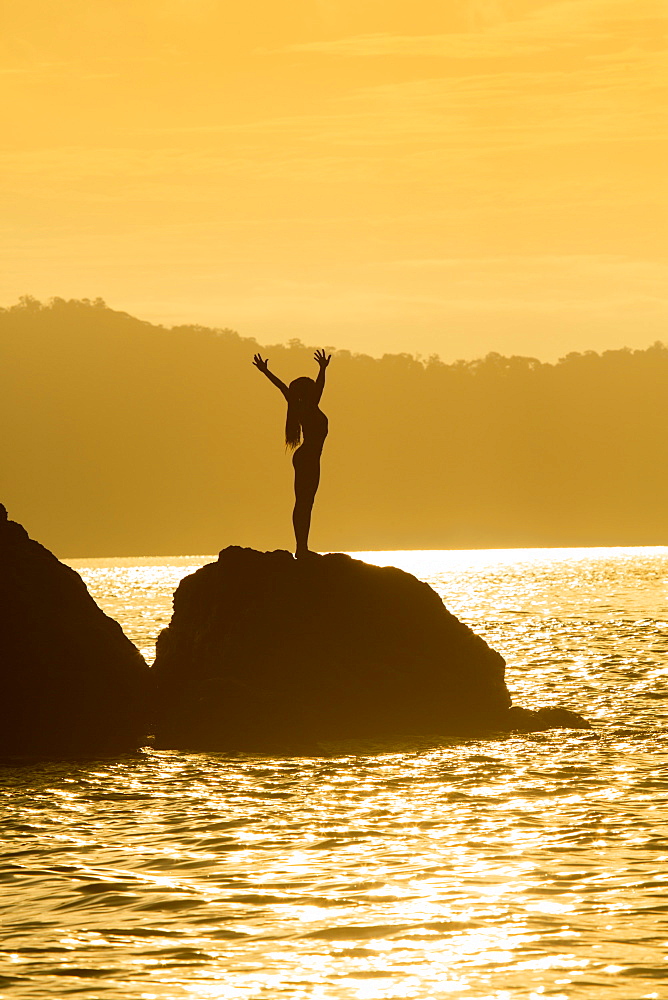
x,y
307,477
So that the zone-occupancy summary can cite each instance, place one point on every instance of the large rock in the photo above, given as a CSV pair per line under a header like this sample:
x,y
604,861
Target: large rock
x,y
71,680
264,652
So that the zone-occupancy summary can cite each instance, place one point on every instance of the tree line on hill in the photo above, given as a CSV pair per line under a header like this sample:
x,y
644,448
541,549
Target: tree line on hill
x,y
120,437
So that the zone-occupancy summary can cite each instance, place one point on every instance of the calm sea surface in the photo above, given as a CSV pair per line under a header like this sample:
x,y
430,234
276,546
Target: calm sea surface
x,y
520,867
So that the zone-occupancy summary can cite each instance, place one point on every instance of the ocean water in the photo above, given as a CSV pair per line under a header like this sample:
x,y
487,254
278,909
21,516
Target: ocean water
x,y
527,866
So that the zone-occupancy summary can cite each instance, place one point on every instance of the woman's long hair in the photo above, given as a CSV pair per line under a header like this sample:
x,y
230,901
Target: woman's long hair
x,y
300,391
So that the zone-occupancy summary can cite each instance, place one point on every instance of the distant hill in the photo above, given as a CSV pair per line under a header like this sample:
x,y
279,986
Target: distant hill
x,y
125,438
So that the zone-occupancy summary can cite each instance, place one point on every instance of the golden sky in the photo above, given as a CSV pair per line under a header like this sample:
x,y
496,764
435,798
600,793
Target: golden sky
x,y
382,175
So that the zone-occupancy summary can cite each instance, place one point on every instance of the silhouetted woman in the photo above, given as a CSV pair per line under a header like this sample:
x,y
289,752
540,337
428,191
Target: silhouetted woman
x,y
305,419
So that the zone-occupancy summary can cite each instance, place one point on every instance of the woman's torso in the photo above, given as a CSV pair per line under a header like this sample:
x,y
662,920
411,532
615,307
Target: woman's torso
x,y
314,429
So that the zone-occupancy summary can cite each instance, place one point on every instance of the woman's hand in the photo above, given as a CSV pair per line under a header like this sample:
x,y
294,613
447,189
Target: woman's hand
x,y
322,358
259,363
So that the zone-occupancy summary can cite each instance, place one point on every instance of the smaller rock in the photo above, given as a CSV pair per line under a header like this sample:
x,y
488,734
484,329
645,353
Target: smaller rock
x,y
525,720
72,682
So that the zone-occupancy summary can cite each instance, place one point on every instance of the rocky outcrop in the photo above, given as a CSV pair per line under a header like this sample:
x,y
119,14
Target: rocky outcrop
x,y
265,652
526,720
72,682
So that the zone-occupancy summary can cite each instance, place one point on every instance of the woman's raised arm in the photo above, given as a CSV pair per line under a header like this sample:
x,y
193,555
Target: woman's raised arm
x,y
323,360
263,366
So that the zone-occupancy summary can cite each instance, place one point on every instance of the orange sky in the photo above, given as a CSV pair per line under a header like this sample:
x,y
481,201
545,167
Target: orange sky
x,y
381,175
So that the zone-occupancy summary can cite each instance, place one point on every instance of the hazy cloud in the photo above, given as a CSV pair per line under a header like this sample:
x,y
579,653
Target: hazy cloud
x,y
495,32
